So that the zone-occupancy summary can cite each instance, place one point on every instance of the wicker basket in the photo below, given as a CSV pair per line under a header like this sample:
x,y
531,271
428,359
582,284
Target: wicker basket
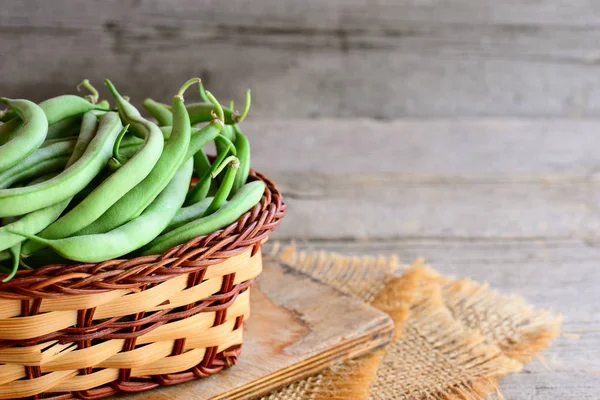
x,y
88,331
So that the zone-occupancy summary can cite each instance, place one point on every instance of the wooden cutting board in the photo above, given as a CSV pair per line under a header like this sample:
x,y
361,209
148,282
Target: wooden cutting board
x,y
297,328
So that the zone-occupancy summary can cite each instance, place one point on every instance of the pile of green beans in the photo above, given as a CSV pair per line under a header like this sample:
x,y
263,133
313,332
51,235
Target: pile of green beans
x,y
84,181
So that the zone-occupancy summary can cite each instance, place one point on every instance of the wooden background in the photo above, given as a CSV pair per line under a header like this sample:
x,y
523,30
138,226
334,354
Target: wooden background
x,y
462,131
317,58
514,202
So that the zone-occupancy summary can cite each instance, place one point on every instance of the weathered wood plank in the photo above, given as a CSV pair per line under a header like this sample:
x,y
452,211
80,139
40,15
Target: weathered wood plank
x,y
381,59
558,274
360,179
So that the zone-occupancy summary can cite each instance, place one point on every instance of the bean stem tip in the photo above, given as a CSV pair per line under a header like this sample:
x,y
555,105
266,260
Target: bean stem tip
x,y
94,95
217,105
186,85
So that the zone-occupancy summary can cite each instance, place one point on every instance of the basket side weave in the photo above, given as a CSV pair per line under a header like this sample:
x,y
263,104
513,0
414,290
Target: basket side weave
x,y
88,331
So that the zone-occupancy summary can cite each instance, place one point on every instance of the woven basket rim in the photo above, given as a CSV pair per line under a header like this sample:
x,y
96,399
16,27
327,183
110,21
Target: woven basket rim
x,y
57,280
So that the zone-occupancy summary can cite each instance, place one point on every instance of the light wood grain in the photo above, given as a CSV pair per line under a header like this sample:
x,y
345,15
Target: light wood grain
x,y
363,179
379,59
297,328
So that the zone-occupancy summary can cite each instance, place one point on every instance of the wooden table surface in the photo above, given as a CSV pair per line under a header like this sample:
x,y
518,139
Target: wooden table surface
x,y
512,202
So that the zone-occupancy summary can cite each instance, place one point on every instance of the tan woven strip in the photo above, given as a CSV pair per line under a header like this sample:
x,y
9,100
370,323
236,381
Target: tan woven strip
x,y
67,303
85,357
84,382
146,300
37,325
191,326
56,351
212,286
108,354
139,357
232,264
30,355
9,308
212,336
30,387
11,372
186,360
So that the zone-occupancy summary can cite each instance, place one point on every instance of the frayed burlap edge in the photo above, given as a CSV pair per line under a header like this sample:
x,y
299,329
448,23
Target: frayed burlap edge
x,y
506,321
436,356
451,339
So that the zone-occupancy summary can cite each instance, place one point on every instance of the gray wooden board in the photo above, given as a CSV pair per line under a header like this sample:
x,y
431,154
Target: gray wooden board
x,y
297,328
363,179
367,58
509,201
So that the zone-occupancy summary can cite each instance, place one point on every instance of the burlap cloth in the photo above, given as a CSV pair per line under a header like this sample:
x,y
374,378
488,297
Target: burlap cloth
x,y
454,338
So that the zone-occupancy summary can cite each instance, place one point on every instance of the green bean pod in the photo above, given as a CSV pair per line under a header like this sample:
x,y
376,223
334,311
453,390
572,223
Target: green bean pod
x,y
62,112
140,126
229,132
202,188
163,116
246,198
101,111
188,214
135,201
200,191
201,169
69,139
89,127
132,235
15,253
64,128
118,184
40,162
242,144
201,164
166,131
205,112
6,115
199,138
68,105
225,188
204,136
41,258
32,132
21,201
31,223
130,145
9,130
